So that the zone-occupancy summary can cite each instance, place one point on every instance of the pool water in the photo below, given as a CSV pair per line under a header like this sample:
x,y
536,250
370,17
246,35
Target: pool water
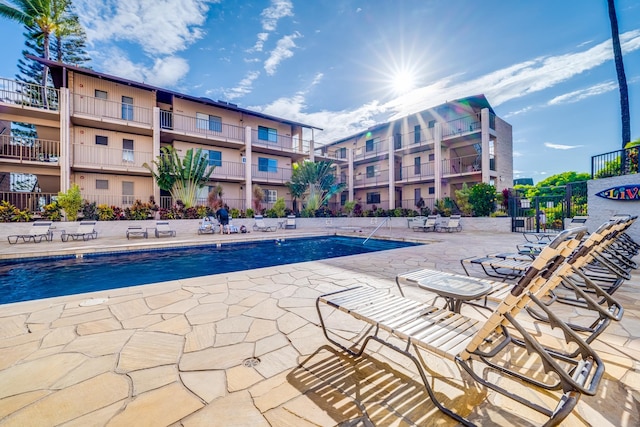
x,y
48,277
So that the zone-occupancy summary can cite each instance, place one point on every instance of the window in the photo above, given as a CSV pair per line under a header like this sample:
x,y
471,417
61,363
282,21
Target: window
x,y
432,124
397,141
127,150
101,94
267,165
432,157
371,145
270,196
416,165
417,195
432,190
371,171
416,134
207,122
373,198
127,108
341,153
102,140
127,193
102,184
343,198
267,134
215,158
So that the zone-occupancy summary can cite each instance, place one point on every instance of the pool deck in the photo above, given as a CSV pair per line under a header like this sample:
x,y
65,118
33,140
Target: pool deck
x,y
246,349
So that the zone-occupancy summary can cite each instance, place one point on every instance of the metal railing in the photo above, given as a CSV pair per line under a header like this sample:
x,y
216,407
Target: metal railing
x,y
29,95
99,108
279,175
206,128
461,165
278,142
229,170
416,172
29,149
30,201
378,177
461,125
615,163
369,151
103,156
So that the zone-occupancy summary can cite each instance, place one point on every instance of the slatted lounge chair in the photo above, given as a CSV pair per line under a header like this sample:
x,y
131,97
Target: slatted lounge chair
x,y
208,225
260,225
417,223
290,222
85,231
136,231
452,224
470,342
163,229
39,230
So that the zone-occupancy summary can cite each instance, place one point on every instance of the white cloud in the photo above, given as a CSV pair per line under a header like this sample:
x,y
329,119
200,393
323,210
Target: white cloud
x,y
159,28
579,95
164,72
517,154
262,38
271,15
560,146
243,87
515,113
283,50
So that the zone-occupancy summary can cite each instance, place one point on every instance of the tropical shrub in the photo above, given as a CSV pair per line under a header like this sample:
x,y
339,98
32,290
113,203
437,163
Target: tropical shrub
x,y
483,199
106,213
279,207
89,210
52,211
71,202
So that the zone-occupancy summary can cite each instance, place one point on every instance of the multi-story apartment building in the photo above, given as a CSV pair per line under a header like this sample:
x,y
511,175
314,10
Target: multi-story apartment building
x,y
426,155
97,131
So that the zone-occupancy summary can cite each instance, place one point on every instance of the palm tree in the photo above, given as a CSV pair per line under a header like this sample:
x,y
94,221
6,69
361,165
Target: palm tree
x,y
181,177
318,181
44,17
622,79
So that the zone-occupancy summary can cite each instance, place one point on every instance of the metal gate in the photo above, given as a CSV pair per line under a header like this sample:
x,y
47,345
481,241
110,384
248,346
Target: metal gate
x,y
555,204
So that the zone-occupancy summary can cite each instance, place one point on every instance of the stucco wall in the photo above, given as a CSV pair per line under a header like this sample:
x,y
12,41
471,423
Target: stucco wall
x,y
600,209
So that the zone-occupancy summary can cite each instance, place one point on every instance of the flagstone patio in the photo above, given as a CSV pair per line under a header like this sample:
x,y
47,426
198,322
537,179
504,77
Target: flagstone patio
x,y
246,349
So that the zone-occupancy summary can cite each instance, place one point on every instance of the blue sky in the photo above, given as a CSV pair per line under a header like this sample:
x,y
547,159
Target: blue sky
x,y
546,66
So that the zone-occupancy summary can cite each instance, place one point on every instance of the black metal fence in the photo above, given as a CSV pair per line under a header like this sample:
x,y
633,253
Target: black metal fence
x,y
546,213
615,163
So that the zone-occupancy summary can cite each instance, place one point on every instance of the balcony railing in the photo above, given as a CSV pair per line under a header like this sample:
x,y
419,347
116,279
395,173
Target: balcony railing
x,y
100,108
29,149
32,202
462,125
205,128
277,175
277,142
101,156
369,151
461,165
416,172
29,95
615,163
379,177
229,170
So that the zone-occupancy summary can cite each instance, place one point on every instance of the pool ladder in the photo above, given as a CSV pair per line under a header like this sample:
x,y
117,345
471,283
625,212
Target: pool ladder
x,y
376,229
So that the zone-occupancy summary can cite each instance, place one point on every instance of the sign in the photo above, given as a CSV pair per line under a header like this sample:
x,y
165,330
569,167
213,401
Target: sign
x,y
622,192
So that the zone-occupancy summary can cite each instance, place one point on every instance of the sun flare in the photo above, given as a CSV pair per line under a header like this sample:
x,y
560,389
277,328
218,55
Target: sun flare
x,y
403,82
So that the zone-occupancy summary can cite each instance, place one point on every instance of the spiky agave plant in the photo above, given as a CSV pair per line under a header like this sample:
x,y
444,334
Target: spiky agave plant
x,y
181,177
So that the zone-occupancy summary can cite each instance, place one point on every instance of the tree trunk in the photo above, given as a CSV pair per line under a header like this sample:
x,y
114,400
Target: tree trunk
x,y
622,79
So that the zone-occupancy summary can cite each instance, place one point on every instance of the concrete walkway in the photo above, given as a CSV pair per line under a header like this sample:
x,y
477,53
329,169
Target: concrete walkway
x,y
245,348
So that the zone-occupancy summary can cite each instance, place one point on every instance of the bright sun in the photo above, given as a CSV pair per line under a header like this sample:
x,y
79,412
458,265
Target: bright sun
x,y
403,82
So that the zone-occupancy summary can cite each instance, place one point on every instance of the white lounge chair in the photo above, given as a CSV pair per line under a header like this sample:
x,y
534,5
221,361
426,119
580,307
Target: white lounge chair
x,y
452,224
163,229
290,222
136,231
209,225
39,230
260,225
85,231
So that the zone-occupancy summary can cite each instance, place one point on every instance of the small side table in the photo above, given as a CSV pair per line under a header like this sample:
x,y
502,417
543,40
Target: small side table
x,y
456,289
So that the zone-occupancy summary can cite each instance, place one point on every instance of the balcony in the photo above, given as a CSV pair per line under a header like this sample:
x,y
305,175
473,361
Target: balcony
x,y
416,173
273,175
461,126
93,157
29,95
377,178
415,141
30,201
462,165
23,149
86,109
274,143
371,150
197,129
229,171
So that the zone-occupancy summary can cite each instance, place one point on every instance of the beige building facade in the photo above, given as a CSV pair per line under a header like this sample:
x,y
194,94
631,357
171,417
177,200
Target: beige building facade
x,y
98,130
426,155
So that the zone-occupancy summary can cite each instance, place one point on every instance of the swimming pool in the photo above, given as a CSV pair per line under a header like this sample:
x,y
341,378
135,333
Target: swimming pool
x,y
48,277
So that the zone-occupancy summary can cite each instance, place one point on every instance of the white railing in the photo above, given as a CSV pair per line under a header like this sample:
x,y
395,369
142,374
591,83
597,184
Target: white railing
x,y
229,170
206,128
279,175
103,156
29,95
29,149
461,125
461,165
101,108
